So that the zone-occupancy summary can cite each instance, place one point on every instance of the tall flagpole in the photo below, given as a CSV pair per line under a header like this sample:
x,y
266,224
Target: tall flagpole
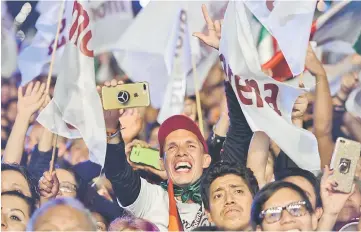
x,y
55,46
198,100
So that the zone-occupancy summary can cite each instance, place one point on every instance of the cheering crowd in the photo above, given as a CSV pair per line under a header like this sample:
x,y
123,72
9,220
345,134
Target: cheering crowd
x,y
222,177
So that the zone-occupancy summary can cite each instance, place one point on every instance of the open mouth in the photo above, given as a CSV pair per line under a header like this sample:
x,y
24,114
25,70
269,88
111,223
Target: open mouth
x,y
183,166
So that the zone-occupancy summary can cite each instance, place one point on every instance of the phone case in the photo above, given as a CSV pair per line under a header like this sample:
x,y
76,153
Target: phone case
x,y
126,96
145,156
344,162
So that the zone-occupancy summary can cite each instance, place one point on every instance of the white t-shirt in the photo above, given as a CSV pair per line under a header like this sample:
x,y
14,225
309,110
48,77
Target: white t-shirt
x,y
152,204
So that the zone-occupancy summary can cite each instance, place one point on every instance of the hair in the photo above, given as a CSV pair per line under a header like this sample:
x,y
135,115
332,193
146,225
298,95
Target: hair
x,y
207,228
32,183
267,192
131,223
305,174
9,102
64,201
223,168
80,185
29,201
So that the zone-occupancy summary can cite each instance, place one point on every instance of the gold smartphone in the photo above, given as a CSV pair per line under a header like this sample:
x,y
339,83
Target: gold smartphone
x,y
344,162
126,96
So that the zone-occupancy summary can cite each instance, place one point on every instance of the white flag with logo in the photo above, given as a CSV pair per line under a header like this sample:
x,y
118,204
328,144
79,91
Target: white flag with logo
x,y
36,57
142,50
76,101
266,103
290,23
181,61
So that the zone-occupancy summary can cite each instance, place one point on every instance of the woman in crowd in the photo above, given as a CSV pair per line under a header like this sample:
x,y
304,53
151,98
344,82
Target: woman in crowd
x,y
16,210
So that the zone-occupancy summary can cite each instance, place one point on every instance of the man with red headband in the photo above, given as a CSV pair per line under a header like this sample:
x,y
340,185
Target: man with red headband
x,y
185,155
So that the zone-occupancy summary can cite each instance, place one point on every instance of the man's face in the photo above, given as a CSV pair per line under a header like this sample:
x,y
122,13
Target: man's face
x,y
287,221
63,218
230,203
184,157
305,185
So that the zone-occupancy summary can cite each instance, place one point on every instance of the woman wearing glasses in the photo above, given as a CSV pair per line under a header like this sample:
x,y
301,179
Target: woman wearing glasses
x,y
282,206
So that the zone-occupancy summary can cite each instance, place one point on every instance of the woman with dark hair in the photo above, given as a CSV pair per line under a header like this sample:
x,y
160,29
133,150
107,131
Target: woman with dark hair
x,y
16,210
282,206
17,178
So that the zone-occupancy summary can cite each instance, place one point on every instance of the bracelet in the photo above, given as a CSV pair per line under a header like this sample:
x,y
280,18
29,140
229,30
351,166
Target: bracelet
x,y
111,135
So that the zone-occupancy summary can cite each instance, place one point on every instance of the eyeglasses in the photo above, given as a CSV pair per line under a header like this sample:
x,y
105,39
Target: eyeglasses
x,y
67,188
272,215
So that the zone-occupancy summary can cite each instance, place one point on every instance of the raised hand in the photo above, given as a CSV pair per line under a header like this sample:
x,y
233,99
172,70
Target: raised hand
x,y
49,185
111,116
32,100
332,200
300,107
128,149
349,82
214,30
313,64
131,123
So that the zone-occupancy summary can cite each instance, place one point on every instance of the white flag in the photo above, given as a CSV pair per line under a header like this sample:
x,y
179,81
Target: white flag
x,y
266,103
340,23
142,51
111,19
290,23
36,57
181,61
9,49
76,101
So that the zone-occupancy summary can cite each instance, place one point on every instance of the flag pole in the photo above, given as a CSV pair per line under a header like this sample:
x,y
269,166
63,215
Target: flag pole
x,y
198,100
55,46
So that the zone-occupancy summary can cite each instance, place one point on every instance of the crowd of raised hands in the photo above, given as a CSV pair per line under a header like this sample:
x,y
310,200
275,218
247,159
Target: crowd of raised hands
x,y
229,177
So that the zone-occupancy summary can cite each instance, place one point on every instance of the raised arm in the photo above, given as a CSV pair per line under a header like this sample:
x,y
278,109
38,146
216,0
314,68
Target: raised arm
x,y
27,105
322,108
126,182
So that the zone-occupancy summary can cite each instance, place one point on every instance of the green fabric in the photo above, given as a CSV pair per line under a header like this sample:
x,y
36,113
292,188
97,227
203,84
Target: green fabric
x,y
191,192
262,34
357,45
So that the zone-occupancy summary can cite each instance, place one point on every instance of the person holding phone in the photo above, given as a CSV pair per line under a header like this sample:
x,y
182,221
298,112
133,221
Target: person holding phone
x,y
184,154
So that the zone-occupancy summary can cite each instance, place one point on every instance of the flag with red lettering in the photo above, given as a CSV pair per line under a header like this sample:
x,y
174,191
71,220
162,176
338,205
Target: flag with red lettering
x,y
76,101
180,61
264,101
36,57
290,24
142,51
105,14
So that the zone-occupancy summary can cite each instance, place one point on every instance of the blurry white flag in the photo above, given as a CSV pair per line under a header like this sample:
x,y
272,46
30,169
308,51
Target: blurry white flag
x,y
36,57
266,103
76,101
181,62
142,50
109,18
9,49
340,23
290,24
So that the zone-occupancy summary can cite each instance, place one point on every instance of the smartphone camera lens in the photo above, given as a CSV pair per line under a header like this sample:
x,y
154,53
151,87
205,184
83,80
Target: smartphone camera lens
x,y
144,87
